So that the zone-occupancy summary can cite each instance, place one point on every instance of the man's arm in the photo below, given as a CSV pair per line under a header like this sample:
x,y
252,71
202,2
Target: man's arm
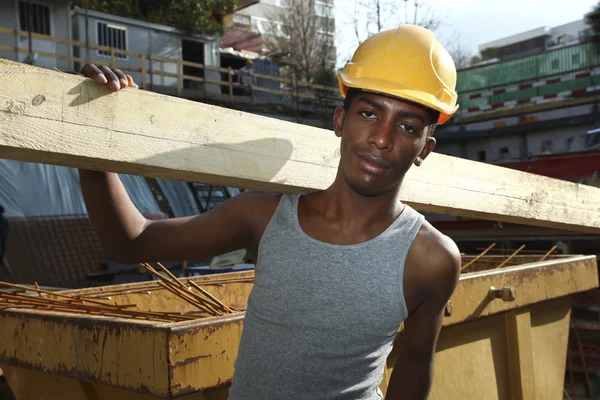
x,y
413,372
127,236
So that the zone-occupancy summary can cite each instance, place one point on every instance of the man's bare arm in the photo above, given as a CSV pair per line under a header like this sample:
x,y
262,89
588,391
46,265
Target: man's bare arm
x,y
413,372
127,236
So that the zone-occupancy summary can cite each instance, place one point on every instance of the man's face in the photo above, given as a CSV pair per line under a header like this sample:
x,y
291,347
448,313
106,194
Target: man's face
x,y
381,138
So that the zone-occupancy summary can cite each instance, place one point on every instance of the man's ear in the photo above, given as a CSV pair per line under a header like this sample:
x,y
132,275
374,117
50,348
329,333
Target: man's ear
x,y
427,149
338,121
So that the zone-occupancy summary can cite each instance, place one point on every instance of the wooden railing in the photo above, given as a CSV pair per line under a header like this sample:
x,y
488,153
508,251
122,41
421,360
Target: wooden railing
x,y
290,88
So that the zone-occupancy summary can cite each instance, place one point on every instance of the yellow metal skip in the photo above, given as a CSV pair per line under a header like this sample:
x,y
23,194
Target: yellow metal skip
x,y
493,348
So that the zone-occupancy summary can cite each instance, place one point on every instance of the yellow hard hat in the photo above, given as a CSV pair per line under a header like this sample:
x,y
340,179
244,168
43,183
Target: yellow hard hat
x,y
407,63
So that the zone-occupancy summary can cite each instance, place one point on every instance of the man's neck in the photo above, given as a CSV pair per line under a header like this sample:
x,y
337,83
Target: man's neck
x,y
340,201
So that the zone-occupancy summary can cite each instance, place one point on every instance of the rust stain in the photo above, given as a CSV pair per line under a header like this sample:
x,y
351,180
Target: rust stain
x,y
190,360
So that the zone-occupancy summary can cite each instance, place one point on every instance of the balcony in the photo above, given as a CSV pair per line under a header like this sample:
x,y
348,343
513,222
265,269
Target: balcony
x,y
551,76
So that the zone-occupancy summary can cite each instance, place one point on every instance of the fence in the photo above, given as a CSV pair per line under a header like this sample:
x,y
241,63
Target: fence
x,y
567,71
548,76
289,90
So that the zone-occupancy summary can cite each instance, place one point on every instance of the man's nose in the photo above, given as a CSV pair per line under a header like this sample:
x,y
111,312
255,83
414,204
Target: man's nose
x,y
381,136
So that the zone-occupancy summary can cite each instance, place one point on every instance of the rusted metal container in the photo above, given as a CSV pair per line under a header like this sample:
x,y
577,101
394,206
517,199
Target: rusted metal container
x,y
504,337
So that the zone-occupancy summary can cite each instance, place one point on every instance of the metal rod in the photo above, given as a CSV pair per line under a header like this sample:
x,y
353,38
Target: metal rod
x,y
59,295
178,289
548,253
478,257
511,250
503,263
585,370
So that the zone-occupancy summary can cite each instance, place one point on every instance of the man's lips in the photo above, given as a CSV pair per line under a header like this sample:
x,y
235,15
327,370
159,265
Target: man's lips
x,y
371,163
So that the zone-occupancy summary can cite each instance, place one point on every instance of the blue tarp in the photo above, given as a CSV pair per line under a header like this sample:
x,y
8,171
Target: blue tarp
x,y
31,189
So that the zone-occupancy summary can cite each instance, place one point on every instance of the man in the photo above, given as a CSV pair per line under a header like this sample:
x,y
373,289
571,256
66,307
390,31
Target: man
x,y
337,270
247,78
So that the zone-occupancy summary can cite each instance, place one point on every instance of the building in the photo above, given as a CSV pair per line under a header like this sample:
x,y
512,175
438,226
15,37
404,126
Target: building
x,y
537,40
514,107
46,17
251,27
149,39
62,23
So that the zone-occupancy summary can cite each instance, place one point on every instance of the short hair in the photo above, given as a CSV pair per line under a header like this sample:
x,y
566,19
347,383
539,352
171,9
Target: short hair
x,y
434,115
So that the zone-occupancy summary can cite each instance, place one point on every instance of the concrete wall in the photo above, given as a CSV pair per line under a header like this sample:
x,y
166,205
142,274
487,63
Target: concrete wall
x,y
60,27
562,140
145,38
520,146
455,149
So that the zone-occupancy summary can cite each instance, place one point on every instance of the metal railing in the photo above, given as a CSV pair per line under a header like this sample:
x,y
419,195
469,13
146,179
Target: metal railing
x,y
548,76
543,75
288,89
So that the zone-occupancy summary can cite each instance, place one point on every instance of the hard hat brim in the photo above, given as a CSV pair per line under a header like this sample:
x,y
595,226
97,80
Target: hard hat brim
x,y
414,96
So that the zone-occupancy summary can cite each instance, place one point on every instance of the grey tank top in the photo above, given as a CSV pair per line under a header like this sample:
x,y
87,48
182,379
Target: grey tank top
x,y
321,318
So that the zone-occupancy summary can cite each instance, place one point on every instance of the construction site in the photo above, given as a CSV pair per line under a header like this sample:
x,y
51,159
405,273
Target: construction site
x,y
514,181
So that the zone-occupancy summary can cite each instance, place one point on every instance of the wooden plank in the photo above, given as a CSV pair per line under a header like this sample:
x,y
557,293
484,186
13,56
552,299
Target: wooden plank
x,y
48,38
80,124
143,70
63,57
520,356
179,78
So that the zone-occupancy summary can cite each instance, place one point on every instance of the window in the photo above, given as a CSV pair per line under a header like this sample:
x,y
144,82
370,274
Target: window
x,y
546,147
481,155
266,27
35,17
555,64
324,10
112,36
570,141
504,153
278,3
575,59
241,19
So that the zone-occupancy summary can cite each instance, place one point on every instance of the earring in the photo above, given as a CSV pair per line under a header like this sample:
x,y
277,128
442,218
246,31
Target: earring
x,y
419,161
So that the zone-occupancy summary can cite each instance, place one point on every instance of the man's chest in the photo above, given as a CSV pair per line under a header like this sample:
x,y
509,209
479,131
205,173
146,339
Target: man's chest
x,y
331,290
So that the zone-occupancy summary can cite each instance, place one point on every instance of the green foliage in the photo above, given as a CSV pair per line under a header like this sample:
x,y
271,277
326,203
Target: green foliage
x,y
492,52
593,19
190,16
326,77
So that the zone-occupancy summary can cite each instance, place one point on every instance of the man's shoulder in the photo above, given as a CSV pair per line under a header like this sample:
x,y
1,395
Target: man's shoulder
x,y
438,245
435,257
255,206
255,201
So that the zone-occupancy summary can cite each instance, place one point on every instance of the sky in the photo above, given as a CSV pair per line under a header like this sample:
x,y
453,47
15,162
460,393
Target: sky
x,y
471,21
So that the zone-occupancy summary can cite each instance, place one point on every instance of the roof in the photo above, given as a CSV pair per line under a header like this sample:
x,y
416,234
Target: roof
x,y
519,37
242,40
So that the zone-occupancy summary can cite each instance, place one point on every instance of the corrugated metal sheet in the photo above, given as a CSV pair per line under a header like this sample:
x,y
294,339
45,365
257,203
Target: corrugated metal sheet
x,y
557,63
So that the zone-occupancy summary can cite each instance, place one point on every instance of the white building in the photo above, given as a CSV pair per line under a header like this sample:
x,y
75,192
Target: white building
x,y
56,19
538,39
263,19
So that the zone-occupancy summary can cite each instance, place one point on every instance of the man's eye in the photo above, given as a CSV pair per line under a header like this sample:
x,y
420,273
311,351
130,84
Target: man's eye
x,y
408,128
368,114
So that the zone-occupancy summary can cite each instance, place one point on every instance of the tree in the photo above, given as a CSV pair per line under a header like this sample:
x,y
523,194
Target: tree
x,y
299,34
593,20
373,16
190,16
